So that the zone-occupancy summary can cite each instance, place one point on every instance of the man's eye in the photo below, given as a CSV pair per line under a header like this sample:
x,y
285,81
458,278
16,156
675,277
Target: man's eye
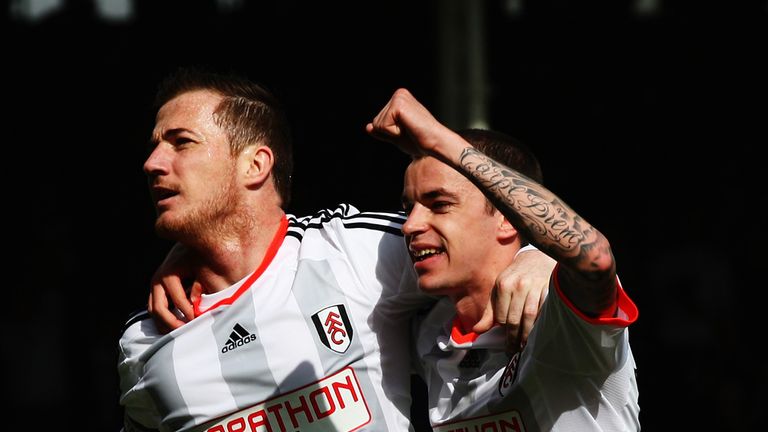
x,y
440,205
182,141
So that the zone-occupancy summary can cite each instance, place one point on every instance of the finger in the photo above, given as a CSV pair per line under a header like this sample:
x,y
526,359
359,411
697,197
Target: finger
x,y
175,290
150,307
161,327
530,313
393,130
532,309
486,321
514,319
516,299
165,320
513,342
386,133
195,292
501,298
157,299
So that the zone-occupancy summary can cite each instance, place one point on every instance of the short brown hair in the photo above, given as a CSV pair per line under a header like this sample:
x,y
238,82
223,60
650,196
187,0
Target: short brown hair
x,y
248,113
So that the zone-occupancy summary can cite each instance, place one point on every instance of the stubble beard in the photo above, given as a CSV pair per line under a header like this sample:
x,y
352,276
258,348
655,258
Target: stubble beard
x,y
203,219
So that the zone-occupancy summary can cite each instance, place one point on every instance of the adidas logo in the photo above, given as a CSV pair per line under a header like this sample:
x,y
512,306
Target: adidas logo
x,y
238,338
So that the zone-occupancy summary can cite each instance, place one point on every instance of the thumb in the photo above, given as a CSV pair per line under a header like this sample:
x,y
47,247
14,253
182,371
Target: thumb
x,y
486,321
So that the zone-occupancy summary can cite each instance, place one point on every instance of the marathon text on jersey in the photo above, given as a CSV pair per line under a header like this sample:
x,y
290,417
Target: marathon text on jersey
x,y
335,403
509,421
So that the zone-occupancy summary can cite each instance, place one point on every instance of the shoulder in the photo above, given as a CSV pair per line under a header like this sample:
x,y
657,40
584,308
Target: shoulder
x,y
346,217
139,331
134,317
371,243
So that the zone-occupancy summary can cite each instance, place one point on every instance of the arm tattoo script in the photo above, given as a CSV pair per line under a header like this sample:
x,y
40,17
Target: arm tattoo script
x,y
532,208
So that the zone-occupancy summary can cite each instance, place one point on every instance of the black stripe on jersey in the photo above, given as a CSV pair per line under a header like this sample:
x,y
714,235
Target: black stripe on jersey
x,y
295,234
326,215
389,229
297,226
135,316
398,218
364,225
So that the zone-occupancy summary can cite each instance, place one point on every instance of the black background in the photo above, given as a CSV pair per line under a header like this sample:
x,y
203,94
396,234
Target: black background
x,y
648,126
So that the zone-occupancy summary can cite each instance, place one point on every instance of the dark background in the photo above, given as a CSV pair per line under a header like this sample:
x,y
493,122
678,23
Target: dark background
x,y
647,122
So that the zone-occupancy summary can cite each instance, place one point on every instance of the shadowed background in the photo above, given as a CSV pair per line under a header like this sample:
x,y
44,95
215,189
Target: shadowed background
x,y
646,115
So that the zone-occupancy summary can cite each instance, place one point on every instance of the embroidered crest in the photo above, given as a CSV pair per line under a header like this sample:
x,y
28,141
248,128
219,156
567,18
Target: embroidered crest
x,y
509,375
334,328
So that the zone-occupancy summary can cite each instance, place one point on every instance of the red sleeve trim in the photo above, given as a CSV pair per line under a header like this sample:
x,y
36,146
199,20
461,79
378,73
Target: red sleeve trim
x,y
274,246
626,314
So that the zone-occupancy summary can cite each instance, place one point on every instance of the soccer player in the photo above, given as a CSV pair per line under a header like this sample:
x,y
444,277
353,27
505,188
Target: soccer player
x,y
303,321
576,371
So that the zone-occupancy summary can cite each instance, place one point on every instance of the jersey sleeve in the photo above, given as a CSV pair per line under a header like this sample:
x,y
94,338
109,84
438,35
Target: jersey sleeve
x,y
626,311
567,340
140,413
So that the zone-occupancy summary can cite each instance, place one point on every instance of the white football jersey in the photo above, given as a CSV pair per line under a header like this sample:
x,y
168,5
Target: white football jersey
x,y
314,339
575,374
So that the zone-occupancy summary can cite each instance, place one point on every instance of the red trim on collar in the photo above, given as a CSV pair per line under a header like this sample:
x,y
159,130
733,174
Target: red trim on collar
x,y
458,335
274,246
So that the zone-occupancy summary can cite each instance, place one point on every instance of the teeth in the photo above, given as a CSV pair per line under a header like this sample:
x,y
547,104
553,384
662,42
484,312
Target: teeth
x,y
423,252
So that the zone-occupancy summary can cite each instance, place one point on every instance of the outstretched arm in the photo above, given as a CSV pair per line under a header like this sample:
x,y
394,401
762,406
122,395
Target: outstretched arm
x,y
587,267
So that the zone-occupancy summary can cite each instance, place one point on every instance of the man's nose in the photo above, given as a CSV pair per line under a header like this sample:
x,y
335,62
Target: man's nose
x,y
157,162
417,220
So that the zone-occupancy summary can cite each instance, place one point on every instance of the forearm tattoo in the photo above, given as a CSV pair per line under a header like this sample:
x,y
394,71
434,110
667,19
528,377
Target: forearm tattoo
x,y
533,209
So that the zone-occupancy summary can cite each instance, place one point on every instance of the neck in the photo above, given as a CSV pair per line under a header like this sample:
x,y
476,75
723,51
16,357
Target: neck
x,y
472,300
235,249
471,305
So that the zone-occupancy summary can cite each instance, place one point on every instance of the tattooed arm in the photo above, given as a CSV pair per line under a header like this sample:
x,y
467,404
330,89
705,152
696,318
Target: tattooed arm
x,y
587,268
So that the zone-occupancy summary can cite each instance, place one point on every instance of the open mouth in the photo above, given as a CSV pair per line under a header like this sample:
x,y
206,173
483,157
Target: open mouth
x,y
422,254
161,194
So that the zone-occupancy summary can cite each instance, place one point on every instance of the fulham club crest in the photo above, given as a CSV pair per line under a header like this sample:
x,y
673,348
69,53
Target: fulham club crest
x,y
509,375
334,328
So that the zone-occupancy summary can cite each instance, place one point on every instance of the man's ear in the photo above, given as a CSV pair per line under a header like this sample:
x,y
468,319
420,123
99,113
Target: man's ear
x,y
506,232
258,161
